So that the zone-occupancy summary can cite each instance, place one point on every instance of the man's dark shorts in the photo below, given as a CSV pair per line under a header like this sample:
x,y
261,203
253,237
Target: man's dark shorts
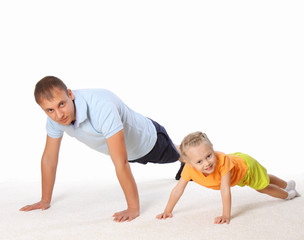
x,y
163,151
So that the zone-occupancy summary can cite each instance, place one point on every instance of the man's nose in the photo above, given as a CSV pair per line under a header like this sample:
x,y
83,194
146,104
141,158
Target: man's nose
x,y
59,114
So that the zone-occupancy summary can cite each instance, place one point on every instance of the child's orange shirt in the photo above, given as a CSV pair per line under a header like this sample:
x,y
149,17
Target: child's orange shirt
x,y
224,164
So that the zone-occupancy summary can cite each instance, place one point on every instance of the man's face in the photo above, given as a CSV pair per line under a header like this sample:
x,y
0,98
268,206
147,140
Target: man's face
x,y
61,108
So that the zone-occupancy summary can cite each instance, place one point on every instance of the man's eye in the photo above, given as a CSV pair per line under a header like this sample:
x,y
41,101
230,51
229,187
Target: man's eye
x,y
61,104
50,110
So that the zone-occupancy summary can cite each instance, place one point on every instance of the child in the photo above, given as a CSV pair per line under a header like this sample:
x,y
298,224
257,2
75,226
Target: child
x,y
217,170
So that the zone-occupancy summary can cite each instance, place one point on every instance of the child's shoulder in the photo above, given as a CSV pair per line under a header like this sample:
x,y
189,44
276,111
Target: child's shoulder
x,y
222,158
220,155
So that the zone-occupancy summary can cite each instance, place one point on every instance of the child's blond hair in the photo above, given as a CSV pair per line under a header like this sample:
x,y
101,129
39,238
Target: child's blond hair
x,y
192,140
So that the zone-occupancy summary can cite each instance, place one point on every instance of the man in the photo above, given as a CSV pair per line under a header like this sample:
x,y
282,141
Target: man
x,y
99,119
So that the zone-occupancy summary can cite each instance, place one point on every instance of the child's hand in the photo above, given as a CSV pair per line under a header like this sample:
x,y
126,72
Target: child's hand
x,y
164,215
221,220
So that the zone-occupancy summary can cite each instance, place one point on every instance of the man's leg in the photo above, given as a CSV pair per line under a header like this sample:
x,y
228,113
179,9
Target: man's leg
x,y
164,151
178,175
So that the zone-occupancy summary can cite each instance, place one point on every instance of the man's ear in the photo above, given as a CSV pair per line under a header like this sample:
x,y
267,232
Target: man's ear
x,y
71,95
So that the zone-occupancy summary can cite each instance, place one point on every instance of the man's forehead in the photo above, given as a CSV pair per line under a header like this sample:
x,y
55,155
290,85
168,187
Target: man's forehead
x,y
58,92
57,95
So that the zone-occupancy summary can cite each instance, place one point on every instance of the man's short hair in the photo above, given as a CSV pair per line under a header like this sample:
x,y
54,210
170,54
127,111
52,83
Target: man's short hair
x,y
45,87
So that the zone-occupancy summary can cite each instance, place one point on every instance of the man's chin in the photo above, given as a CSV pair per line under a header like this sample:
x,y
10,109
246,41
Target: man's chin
x,y
64,122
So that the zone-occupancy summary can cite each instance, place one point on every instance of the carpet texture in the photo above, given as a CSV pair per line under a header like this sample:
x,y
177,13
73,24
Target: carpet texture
x,y
83,211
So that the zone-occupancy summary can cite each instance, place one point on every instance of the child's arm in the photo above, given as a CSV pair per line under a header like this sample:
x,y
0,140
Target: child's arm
x,y
226,200
175,195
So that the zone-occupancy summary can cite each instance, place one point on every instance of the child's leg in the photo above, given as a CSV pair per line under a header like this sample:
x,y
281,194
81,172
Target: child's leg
x,y
287,186
274,191
278,188
257,178
277,181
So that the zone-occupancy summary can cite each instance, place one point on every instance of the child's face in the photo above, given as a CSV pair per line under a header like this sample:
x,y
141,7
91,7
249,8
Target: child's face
x,y
61,108
202,158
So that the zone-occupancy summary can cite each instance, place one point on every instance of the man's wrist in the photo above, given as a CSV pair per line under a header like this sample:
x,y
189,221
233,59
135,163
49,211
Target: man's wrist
x,y
45,200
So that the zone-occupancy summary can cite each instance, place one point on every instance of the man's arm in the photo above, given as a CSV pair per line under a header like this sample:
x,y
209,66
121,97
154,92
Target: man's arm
x,y
175,195
226,199
49,163
118,153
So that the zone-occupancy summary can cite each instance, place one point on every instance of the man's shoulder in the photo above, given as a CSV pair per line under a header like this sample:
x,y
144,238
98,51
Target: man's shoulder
x,y
90,92
96,96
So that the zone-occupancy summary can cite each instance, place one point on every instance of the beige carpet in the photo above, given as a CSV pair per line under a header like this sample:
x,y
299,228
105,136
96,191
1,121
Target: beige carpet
x,y
84,210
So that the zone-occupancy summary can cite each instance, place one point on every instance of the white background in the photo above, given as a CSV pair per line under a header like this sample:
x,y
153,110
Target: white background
x,y
232,69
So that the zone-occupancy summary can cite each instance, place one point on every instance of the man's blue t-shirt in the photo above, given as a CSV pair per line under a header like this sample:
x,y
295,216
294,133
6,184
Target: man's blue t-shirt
x,y
99,115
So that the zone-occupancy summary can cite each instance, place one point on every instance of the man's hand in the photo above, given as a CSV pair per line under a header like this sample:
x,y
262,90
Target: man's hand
x,y
126,215
221,220
39,205
164,215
